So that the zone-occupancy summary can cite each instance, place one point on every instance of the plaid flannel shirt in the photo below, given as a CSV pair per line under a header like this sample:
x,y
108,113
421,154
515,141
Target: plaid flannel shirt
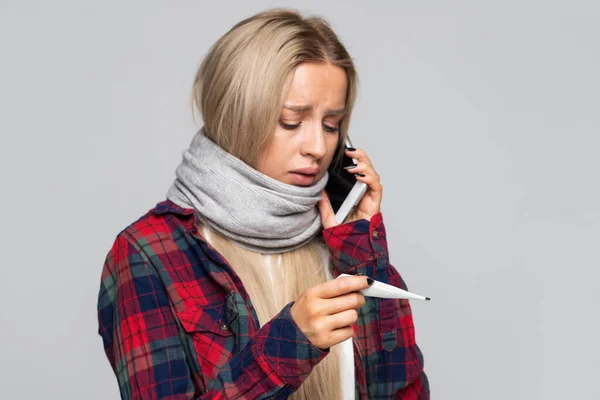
x,y
177,323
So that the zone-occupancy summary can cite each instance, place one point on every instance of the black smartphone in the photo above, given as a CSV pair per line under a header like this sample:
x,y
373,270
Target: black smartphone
x,y
344,191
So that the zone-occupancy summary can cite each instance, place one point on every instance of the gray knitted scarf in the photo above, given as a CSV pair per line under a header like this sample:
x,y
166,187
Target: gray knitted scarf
x,y
254,210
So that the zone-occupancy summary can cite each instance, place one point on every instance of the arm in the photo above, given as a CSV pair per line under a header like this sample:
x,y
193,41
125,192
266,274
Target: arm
x,y
390,353
141,340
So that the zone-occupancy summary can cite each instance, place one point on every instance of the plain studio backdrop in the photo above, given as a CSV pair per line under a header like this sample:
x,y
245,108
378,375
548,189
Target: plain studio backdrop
x,y
482,119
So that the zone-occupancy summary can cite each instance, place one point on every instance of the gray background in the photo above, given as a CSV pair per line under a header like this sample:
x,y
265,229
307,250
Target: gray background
x,y
481,117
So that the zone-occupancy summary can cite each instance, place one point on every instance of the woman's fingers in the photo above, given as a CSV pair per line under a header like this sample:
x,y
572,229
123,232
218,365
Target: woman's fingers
x,y
338,287
364,172
342,319
360,156
314,311
373,183
339,335
345,302
367,175
361,167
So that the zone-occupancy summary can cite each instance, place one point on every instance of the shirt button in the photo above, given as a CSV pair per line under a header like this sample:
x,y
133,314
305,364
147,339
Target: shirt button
x,y
375,234
224,327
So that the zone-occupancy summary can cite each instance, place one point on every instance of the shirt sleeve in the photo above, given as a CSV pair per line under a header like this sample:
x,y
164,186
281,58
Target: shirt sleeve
x,y
142,341
393,361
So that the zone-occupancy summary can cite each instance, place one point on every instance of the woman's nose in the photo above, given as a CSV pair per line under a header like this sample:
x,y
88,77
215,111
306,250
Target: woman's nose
x,y
314,143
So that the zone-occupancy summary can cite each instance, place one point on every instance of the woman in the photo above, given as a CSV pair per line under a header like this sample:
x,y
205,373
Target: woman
x,y
225,289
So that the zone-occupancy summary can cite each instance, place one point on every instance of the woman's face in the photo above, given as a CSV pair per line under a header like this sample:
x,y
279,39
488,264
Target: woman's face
x,y
306,136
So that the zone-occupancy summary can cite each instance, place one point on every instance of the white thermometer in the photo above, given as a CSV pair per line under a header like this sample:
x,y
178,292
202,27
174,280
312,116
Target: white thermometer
x,y
385,291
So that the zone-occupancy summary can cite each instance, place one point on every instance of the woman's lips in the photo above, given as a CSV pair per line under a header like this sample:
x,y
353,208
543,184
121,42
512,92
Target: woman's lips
x,y
302,179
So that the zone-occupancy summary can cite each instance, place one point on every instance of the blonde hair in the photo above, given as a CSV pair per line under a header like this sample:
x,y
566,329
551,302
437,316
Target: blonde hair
x,y
239,89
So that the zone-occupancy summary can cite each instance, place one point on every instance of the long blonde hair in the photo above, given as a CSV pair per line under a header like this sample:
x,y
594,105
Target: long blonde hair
x,y
239,89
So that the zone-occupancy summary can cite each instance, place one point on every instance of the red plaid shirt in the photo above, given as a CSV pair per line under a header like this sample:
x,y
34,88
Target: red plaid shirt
x,y
177,323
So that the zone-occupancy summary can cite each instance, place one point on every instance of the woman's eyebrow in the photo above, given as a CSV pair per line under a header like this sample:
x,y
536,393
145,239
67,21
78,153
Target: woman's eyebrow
x,y
302,108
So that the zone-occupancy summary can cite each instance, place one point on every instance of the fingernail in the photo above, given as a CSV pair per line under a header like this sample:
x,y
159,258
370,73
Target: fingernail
x,y
370,281
361,175
350,149
350,166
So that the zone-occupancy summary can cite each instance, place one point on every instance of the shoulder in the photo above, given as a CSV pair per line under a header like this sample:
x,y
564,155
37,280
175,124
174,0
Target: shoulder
x,y
162,245
163,220
153,235
163,223
141,261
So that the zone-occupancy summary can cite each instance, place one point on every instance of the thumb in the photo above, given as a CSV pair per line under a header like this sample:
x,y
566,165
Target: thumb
x,y
326,211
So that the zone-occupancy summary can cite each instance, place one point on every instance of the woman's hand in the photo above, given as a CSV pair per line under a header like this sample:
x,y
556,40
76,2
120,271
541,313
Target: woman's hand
x,y
369,205
325,312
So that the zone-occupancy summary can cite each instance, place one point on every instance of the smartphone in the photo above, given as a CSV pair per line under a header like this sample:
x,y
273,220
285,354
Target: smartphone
x,y
344,191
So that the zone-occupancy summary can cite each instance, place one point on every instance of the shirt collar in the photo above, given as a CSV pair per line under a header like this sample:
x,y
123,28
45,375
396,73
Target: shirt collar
x,y
168,207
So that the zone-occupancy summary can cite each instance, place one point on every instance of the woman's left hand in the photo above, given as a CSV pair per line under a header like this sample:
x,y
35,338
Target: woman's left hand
x,y
371,201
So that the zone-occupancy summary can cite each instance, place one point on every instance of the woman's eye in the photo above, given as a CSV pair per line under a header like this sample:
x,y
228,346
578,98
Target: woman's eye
x,y
330,129
289,127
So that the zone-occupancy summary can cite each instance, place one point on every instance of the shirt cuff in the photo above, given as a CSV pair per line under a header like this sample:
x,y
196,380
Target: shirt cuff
x,y
287,350
355,243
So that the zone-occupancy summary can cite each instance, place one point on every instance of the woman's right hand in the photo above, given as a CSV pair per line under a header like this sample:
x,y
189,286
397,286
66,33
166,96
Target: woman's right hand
x,y
325,312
